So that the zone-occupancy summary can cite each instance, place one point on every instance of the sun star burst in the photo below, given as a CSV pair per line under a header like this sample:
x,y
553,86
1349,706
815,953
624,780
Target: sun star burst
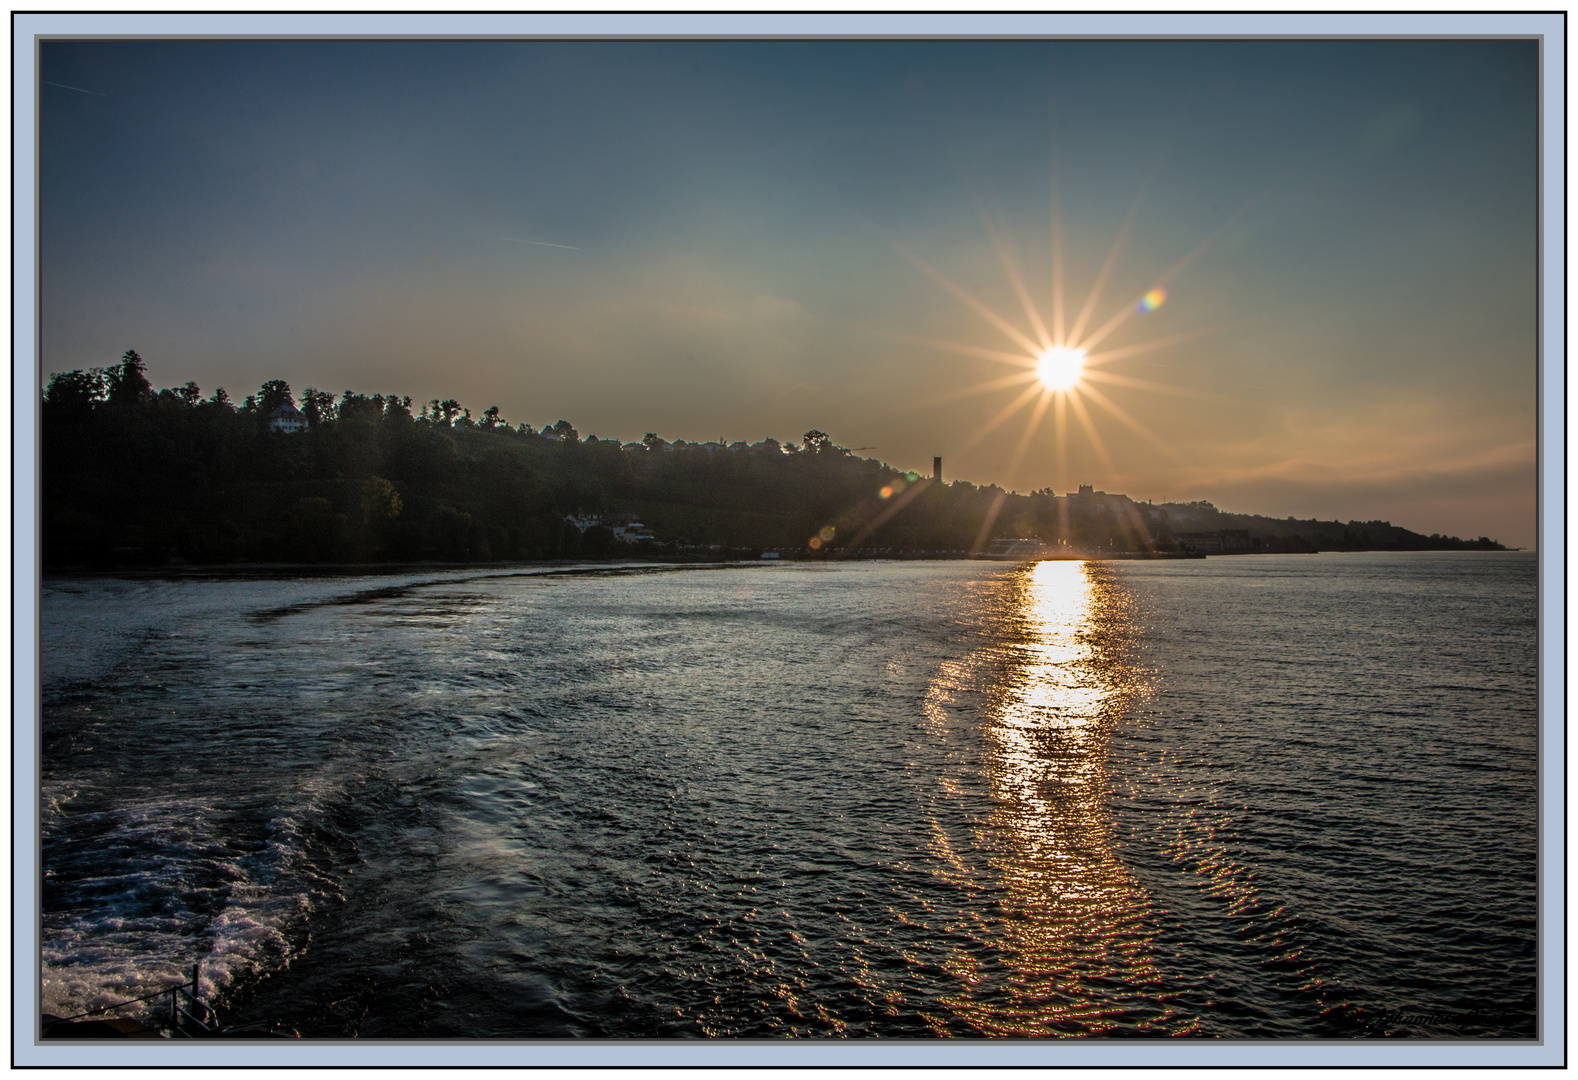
x,y
1060,367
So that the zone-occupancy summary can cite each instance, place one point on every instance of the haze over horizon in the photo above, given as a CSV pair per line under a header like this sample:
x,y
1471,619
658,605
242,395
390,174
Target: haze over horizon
x,y
748,239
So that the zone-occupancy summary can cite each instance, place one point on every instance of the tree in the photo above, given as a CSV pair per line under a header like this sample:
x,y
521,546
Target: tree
x,y
128,380
189,393
272,394
312,531
565,432
219,397
317,406
354,406
490,418
599,542
651,441
817,441
75,392
380,500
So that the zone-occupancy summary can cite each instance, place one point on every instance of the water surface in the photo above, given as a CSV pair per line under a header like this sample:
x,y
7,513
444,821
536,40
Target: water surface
x,y
1274,796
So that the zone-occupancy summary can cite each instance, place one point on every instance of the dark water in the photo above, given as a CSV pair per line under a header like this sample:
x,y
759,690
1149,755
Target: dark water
x,y
1252,797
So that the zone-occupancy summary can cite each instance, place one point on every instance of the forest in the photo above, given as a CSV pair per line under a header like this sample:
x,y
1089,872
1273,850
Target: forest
x,y
137,476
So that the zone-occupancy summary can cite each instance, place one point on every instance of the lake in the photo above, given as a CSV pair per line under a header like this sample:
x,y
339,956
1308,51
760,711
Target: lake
x,y
1252,797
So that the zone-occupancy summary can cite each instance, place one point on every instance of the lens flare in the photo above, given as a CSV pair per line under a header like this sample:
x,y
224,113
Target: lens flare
x,y
1059,368
1152,300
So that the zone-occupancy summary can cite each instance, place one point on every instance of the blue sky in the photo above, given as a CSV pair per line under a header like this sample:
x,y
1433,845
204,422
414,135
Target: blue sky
x,y
733,220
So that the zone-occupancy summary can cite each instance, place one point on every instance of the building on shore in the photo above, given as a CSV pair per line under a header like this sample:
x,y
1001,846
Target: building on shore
x,y
288,419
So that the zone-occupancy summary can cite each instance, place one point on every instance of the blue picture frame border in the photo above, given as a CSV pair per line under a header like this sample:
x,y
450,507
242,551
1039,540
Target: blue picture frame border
x,y
1548,1051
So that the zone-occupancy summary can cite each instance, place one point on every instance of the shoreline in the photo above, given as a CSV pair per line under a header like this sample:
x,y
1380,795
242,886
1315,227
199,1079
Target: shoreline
x,y
199,570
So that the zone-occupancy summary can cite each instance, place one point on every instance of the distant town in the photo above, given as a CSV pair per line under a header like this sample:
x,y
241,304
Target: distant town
x,y
138,477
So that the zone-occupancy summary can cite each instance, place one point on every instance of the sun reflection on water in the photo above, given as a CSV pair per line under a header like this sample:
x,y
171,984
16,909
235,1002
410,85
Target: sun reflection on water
x,y
1073,933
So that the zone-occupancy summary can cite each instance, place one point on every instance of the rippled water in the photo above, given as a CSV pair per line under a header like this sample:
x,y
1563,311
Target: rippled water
x,y
1252,797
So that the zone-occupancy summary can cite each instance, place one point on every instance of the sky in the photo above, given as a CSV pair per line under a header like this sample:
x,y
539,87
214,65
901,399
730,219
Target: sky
x,y
737,240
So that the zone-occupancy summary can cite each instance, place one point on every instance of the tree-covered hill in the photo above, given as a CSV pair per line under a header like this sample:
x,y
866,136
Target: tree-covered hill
x,y
137,476
1264,533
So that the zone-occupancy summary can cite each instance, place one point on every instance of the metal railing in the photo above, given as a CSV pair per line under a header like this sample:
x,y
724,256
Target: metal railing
x,y
189,1016
200,1015
105,1008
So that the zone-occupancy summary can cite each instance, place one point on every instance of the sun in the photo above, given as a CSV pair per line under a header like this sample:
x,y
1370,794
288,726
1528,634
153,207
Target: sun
x,y
1059,368
1059,365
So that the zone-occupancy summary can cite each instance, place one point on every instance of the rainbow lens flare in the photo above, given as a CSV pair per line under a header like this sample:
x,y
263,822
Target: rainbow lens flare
x,y
1152,300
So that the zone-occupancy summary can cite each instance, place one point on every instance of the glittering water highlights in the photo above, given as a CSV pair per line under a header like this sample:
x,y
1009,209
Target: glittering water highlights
x,y
1072,935
1254,797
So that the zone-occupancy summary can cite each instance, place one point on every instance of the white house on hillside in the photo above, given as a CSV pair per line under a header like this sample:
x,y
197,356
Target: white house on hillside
x,y
287,418
625,531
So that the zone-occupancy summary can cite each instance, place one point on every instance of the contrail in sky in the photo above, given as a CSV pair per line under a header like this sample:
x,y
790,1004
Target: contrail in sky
x,y
78,89
539,243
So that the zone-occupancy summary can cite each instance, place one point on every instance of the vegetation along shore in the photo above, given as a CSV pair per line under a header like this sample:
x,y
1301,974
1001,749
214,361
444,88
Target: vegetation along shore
x,y
134,476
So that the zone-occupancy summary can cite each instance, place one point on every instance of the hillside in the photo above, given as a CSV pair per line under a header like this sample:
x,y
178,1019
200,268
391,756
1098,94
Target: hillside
x,y
133,476
1265,533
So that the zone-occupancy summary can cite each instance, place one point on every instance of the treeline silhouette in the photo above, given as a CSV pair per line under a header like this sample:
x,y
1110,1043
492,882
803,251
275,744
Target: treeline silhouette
x,y
132,475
